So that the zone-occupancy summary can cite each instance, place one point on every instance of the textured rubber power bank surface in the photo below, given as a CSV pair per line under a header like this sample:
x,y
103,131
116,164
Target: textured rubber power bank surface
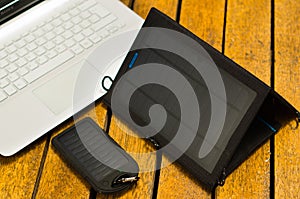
x,y
94,155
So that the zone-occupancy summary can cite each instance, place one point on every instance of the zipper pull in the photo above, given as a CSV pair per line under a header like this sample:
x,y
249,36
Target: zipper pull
x,y
222,178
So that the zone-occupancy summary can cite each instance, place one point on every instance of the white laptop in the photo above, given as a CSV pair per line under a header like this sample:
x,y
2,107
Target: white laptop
x,y
51,52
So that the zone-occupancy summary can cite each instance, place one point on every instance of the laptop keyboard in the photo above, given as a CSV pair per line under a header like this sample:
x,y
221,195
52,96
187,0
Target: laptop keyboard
x,y
52,43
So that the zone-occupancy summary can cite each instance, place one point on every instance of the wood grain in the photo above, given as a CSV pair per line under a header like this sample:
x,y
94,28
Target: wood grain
x,y
58,180
126,2
142,7
287,83
248,43
18,173
205,19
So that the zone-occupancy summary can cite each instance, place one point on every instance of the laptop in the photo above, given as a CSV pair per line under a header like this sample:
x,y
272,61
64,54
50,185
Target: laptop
x,y
50,55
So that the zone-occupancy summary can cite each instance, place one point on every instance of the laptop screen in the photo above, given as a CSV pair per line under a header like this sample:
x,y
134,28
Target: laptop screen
x,y
11,8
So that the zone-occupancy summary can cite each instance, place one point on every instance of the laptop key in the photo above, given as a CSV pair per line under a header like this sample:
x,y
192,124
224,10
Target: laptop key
x,y
2,54
76,29
13,77
77,49
11,49
21,62
22,52
113,29
41,50
76,20
3,63
60,48
41,60
3,96
95,38
20,43
75,12
11,68
104,33
10,90
3,83
58,40
12,57
70,43
51,54
79,37
94,19
31,66
29,38
87,32
32,46
85,15
30,56
66,17
22,71
3,73
49,45
86,44
85,24
68,34
20,83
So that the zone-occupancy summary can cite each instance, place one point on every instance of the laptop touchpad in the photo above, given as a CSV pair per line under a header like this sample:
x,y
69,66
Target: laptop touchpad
x,y
74,86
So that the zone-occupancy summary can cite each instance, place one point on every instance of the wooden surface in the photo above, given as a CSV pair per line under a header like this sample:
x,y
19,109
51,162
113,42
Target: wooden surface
x,y
38,171
18,173
142,7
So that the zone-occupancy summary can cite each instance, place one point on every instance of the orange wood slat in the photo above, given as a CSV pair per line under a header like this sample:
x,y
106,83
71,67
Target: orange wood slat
x,y
287,83
126,2
19,172
142,7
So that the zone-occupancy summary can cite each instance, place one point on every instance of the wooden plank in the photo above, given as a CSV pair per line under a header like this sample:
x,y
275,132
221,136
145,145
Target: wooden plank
x,y
121,134
19,172
248,43
287,83
142,7
126,2
58,180
205,19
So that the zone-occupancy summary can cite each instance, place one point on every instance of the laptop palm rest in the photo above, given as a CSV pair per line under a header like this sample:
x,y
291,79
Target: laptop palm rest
x,y
69,88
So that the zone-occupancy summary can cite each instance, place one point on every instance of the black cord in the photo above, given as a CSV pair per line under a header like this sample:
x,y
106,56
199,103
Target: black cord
x,y
103,82
131,4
